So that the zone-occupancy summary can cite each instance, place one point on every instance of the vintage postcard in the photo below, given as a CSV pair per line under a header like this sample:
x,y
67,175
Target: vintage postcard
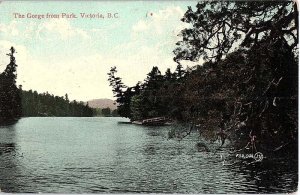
x,y
149,97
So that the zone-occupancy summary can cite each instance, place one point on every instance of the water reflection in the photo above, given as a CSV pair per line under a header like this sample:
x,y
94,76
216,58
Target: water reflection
x,y
100,155
7,148
7,141
9,152
272,175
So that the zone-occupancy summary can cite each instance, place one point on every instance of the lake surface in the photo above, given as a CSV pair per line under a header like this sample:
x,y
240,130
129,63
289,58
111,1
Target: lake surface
x,y
100,155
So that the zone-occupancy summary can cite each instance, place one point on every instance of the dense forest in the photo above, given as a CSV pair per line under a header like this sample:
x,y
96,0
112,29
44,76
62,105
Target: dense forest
x,y
247,88
105,112
35,104
16,103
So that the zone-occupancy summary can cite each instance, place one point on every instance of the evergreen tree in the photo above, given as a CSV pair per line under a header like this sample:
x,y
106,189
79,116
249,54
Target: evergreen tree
x,y
179,72
168,75
45,104
249,89
217,26
10,99
106,111
122,93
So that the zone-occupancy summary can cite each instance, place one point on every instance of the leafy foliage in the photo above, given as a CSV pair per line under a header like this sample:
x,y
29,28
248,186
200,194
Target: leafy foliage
x,y
148,99
248,83
253,89
217,27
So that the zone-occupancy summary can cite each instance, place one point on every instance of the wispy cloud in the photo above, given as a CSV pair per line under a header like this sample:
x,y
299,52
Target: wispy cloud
x,y
9,29
68,56
60,27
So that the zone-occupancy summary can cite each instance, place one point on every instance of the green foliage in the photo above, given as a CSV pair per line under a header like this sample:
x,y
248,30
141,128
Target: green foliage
x,y
248,82
106,112
217,27
15,102
159,95
253,89
115,113
44,104
137,108
179,72
10,100
97,112
122,93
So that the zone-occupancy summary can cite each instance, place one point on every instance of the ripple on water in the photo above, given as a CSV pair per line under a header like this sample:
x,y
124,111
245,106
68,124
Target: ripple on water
x,y
99,155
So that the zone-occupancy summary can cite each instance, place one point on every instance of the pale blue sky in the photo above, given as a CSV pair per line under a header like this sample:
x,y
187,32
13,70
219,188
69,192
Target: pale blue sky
x,y
74,55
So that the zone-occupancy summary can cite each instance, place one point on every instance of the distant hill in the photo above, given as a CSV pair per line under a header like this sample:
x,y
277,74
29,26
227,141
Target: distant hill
x,y
102,103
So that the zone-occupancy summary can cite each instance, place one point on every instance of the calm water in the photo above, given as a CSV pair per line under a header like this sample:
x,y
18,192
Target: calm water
x,y
100,155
